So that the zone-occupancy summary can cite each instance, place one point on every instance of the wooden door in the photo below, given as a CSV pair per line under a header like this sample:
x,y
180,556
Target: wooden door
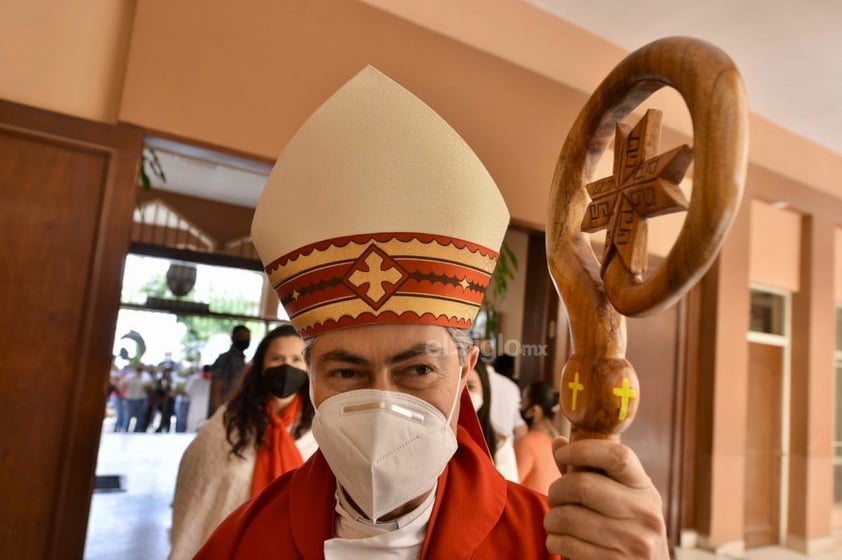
x,y
763,446
68,189
656,350
539,319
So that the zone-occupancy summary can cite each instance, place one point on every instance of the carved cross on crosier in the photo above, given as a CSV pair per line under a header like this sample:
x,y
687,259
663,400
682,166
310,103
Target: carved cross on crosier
x,y
643,185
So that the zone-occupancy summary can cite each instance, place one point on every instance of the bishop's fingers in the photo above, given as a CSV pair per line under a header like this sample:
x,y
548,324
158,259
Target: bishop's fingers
x,y
577,532
614,459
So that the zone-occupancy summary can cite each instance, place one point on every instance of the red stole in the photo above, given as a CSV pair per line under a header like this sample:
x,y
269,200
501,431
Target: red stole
x,y
278,454
477,514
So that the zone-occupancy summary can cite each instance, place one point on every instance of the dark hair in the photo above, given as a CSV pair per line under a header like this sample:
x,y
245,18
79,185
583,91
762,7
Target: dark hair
x,y
544,395
484,412
240,328
246,417
504,364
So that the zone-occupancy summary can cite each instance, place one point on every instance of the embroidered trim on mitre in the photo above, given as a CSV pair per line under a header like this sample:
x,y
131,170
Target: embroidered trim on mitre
x,y
382,278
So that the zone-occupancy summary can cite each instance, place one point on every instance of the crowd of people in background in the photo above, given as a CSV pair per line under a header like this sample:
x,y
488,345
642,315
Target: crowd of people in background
x,y
158,398
163,397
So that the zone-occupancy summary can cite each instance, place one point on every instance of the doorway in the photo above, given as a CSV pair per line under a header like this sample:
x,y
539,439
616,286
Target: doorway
x,y
764,496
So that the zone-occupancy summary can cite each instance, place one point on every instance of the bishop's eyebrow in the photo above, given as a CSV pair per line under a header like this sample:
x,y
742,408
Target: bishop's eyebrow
x,y
423,349
348,357
340,355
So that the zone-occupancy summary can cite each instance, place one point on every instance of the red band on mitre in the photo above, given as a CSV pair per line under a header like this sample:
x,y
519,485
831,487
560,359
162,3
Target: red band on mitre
x,y
422,279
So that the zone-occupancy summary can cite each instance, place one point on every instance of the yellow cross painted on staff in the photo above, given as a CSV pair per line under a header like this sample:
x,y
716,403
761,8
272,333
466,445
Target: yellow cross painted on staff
x,y
575,386
625,393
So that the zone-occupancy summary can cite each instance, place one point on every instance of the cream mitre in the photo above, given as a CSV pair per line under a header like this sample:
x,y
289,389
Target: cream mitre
x,y
378,212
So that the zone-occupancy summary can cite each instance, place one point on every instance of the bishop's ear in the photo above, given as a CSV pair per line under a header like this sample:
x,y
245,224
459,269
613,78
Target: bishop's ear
x,y
471,357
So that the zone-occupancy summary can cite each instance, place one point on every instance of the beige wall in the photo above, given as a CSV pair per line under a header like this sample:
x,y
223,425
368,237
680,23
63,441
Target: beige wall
x,y
67,56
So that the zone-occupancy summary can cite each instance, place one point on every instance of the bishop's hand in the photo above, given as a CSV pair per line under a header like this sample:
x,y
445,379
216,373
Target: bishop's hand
x,y
605,506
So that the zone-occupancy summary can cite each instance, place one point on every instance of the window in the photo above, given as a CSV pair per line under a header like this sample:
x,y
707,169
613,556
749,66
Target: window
x,y
767,312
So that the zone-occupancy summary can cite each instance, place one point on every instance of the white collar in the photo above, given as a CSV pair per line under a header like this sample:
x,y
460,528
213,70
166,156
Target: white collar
x,y
360,539
350,523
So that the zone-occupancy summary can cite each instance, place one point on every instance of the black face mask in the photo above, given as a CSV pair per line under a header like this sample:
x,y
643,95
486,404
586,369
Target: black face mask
x,y
241,345
283,381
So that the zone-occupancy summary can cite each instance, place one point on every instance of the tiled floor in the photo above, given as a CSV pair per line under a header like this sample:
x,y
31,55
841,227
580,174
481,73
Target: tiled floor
x,y
766,553
134,524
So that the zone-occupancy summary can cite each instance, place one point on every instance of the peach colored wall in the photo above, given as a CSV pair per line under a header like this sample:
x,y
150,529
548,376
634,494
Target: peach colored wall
x,y
775,246
837,266
497,26
67,56
518,32
811,431
247,79
731,385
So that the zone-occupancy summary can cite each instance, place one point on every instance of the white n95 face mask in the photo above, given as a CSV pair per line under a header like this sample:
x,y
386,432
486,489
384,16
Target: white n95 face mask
x,y
385,448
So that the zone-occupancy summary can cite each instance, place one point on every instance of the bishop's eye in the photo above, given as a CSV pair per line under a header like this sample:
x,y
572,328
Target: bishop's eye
x,y
420,369
344,373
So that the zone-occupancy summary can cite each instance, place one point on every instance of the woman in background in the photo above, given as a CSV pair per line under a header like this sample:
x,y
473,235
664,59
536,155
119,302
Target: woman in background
x,y
261,433
499,446
534,451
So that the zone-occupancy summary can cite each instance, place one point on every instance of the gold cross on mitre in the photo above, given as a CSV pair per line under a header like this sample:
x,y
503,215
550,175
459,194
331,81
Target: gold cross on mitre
x,y
644,185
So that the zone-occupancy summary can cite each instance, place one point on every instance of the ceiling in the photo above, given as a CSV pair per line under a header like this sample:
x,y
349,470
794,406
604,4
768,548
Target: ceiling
x,y
789,52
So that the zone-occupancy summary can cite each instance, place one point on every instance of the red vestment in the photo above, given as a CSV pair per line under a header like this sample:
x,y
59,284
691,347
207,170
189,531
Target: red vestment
x,y
477,513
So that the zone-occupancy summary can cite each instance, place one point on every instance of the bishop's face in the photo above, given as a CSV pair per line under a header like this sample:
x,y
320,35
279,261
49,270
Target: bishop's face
x,y
420,360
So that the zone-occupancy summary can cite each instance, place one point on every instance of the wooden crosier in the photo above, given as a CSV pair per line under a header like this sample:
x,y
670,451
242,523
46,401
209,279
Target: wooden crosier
x,y
599,388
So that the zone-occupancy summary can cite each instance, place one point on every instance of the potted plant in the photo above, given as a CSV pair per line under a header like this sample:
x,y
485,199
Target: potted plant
x,y
507,265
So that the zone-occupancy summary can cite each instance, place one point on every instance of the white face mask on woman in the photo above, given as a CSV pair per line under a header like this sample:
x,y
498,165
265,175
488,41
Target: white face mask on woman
x,y
385,448
476,400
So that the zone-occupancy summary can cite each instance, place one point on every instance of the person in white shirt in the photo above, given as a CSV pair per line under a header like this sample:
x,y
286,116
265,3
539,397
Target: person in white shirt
x,y
198,390
505,411
499,446
134,387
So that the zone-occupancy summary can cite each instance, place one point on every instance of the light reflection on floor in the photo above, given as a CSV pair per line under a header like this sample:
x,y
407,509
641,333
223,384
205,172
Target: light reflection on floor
x,y
764,553
134,524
